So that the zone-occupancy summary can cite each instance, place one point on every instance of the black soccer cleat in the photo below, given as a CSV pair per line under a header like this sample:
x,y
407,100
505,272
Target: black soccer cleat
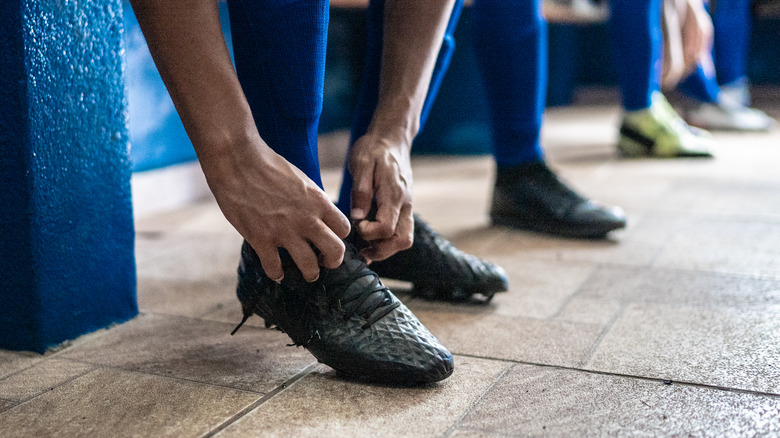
x,y
440,271
347,319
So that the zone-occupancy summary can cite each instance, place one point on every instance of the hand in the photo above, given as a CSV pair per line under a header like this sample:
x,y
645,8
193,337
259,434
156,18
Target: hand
x,y
272,204
382,170
697,32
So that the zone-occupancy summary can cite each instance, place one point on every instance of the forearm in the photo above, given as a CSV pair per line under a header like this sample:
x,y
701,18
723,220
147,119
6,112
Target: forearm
x,y
186,42
413,33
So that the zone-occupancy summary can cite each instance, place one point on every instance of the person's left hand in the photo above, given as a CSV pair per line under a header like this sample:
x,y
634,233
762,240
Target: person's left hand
x,y
381,170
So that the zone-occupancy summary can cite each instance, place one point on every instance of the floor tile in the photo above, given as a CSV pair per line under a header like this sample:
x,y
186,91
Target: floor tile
x,y
192,257
750,197
540,401
590,310
186,297
537,289
460,433
200,217
5,405
13,361
638,245
42,377
114,403
254,359
680,287
723,347
480,332
324,405
725,244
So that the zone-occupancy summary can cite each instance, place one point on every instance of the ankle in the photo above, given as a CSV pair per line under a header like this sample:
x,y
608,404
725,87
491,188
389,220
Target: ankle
x,y
506,175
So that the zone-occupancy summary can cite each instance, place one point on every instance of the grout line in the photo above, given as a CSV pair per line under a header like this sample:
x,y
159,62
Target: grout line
x,y
570,298
237,416
491,433
603,334
19,403
631,376
9,407
165,376
450,430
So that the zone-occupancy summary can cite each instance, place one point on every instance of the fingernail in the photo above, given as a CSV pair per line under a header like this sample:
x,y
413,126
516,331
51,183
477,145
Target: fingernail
x,y
358,213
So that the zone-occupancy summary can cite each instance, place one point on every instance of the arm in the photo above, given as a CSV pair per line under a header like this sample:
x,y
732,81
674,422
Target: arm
x,y
379,160
270,202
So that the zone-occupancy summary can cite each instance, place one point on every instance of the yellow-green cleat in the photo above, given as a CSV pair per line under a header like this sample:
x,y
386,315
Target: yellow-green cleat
x,y
658,131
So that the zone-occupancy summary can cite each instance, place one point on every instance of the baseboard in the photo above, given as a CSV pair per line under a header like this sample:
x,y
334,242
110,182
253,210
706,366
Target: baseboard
x,y
171,187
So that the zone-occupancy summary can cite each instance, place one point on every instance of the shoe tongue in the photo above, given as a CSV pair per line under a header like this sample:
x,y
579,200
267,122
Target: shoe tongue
x,y
356,288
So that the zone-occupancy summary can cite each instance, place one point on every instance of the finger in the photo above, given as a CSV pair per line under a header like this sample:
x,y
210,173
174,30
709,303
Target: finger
x,y
269,259
384,227
401,240
330,246
304,257
362,192
335,220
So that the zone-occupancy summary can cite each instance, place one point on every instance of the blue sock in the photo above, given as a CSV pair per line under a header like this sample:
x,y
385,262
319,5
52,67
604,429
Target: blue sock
x,y
700,86
279,49
637,41
731,20
510,44
369,86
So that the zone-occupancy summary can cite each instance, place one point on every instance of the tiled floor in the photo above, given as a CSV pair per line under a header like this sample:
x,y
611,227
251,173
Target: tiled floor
x,y
670,327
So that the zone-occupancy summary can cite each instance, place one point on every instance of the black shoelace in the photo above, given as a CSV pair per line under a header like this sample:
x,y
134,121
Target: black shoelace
x,y
359,292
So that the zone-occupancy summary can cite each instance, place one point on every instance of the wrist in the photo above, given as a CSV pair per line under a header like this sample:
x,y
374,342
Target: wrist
x,y
394,131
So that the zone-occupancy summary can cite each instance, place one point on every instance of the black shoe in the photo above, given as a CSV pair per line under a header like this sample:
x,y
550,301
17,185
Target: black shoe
x,y
347,319
439,271
531,197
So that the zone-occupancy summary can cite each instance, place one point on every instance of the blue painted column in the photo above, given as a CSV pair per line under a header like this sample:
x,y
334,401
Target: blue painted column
x,y
67,265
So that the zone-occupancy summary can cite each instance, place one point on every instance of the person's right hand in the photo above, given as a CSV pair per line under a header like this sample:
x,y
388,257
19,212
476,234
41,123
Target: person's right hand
x,y
273,204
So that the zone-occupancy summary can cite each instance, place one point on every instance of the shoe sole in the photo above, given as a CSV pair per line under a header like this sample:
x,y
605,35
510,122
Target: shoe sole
x,y
482,292
590,232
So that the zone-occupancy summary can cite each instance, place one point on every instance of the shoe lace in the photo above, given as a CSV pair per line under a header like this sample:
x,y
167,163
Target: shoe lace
x,y
358,291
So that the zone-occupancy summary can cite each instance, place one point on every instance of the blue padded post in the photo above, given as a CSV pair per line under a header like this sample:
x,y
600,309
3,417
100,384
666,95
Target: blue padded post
x,y
66,231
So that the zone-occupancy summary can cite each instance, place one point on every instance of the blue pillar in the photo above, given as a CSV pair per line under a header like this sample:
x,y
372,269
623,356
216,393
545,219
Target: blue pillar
x,y
67,265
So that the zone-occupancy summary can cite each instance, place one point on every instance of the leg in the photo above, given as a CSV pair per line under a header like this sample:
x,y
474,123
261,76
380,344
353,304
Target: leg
x,y
731,20
369,87
346,318
511,48
458,276
725,107
650,125
637,40
279,48
510,43
700,86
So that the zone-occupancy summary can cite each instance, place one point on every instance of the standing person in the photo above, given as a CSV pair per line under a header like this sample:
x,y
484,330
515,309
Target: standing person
x,y
650,126
255,136
510,42
721,97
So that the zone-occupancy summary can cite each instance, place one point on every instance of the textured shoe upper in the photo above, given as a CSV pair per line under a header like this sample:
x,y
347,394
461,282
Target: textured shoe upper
x,y
440,271
347,318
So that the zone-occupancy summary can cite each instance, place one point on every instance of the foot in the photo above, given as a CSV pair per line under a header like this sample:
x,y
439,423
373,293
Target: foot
x,y
439,271
658,131
531,197
347,319
729,118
